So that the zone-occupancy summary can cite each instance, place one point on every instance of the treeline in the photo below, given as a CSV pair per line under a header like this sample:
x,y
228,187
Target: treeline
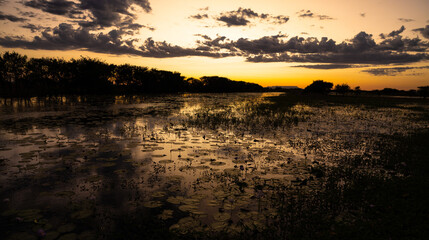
x,y
24,77
322,87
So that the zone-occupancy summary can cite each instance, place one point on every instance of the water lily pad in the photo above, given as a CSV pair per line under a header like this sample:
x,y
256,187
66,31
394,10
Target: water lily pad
x,y
165,161
166,214
216,163
188,208
21,236
51,235
222,217
66,228
65,194
152,204
82,214
69,236
175,200
158,194
218,226
87,235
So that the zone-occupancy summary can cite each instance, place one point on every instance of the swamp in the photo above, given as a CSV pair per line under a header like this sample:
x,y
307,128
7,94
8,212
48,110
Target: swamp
x,y
214,166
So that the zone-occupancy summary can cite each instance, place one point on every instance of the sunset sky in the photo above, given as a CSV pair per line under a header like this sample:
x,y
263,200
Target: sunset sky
x,y
368,43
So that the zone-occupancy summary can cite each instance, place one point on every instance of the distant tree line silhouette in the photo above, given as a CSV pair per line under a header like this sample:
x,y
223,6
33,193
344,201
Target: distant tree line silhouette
x,y
24,77
322,88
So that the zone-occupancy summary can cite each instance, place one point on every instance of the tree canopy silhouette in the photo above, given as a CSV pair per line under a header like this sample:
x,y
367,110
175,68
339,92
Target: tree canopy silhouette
x,y
319,87
342,88
23,77
423,91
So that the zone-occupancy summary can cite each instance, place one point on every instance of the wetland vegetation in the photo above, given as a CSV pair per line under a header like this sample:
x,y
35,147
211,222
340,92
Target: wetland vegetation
x,y
214,166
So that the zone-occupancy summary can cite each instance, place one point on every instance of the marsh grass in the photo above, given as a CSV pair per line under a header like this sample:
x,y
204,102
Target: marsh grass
x,y
353,203
373,195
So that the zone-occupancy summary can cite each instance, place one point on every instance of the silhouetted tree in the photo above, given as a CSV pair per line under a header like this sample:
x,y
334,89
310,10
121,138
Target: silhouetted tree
x,y
319,87
194,85
342,88
13,71
423,91
221,84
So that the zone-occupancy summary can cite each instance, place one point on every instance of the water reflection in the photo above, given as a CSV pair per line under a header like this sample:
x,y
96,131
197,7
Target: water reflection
x,y
197,162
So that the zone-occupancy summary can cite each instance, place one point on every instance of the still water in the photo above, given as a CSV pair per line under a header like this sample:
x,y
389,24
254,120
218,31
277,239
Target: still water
x,y
71,166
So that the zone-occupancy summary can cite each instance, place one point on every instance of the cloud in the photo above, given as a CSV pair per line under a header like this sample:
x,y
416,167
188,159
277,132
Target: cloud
x,y
28,14
234,20
391,71
33,28
151,48
103,14
108,13
199,16
346,58
326,66
397,32
65,37
405,20
11,18
309,14
424,31
362,14
57,7
243,17
362,49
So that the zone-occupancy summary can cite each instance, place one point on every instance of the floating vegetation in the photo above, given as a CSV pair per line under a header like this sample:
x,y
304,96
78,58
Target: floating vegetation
x,y
210,164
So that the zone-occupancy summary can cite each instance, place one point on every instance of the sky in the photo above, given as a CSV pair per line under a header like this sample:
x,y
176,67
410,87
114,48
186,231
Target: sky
x,y
373,44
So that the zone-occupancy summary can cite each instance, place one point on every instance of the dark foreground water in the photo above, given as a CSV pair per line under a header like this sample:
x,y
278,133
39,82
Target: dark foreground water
x,y
76,167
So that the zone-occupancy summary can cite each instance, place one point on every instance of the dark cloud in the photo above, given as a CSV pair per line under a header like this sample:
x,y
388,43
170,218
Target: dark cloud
x,y
164,50
203,36
243,17
129,27
57,7
309,14
424,31
27,14
405,20
326,66
199,16
397,32
346,58
362,49
362,14
394,41
276,44
393,33
204,9
280,19
65,37
103,13
391,71
234,20
107,13
11,18
35,28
